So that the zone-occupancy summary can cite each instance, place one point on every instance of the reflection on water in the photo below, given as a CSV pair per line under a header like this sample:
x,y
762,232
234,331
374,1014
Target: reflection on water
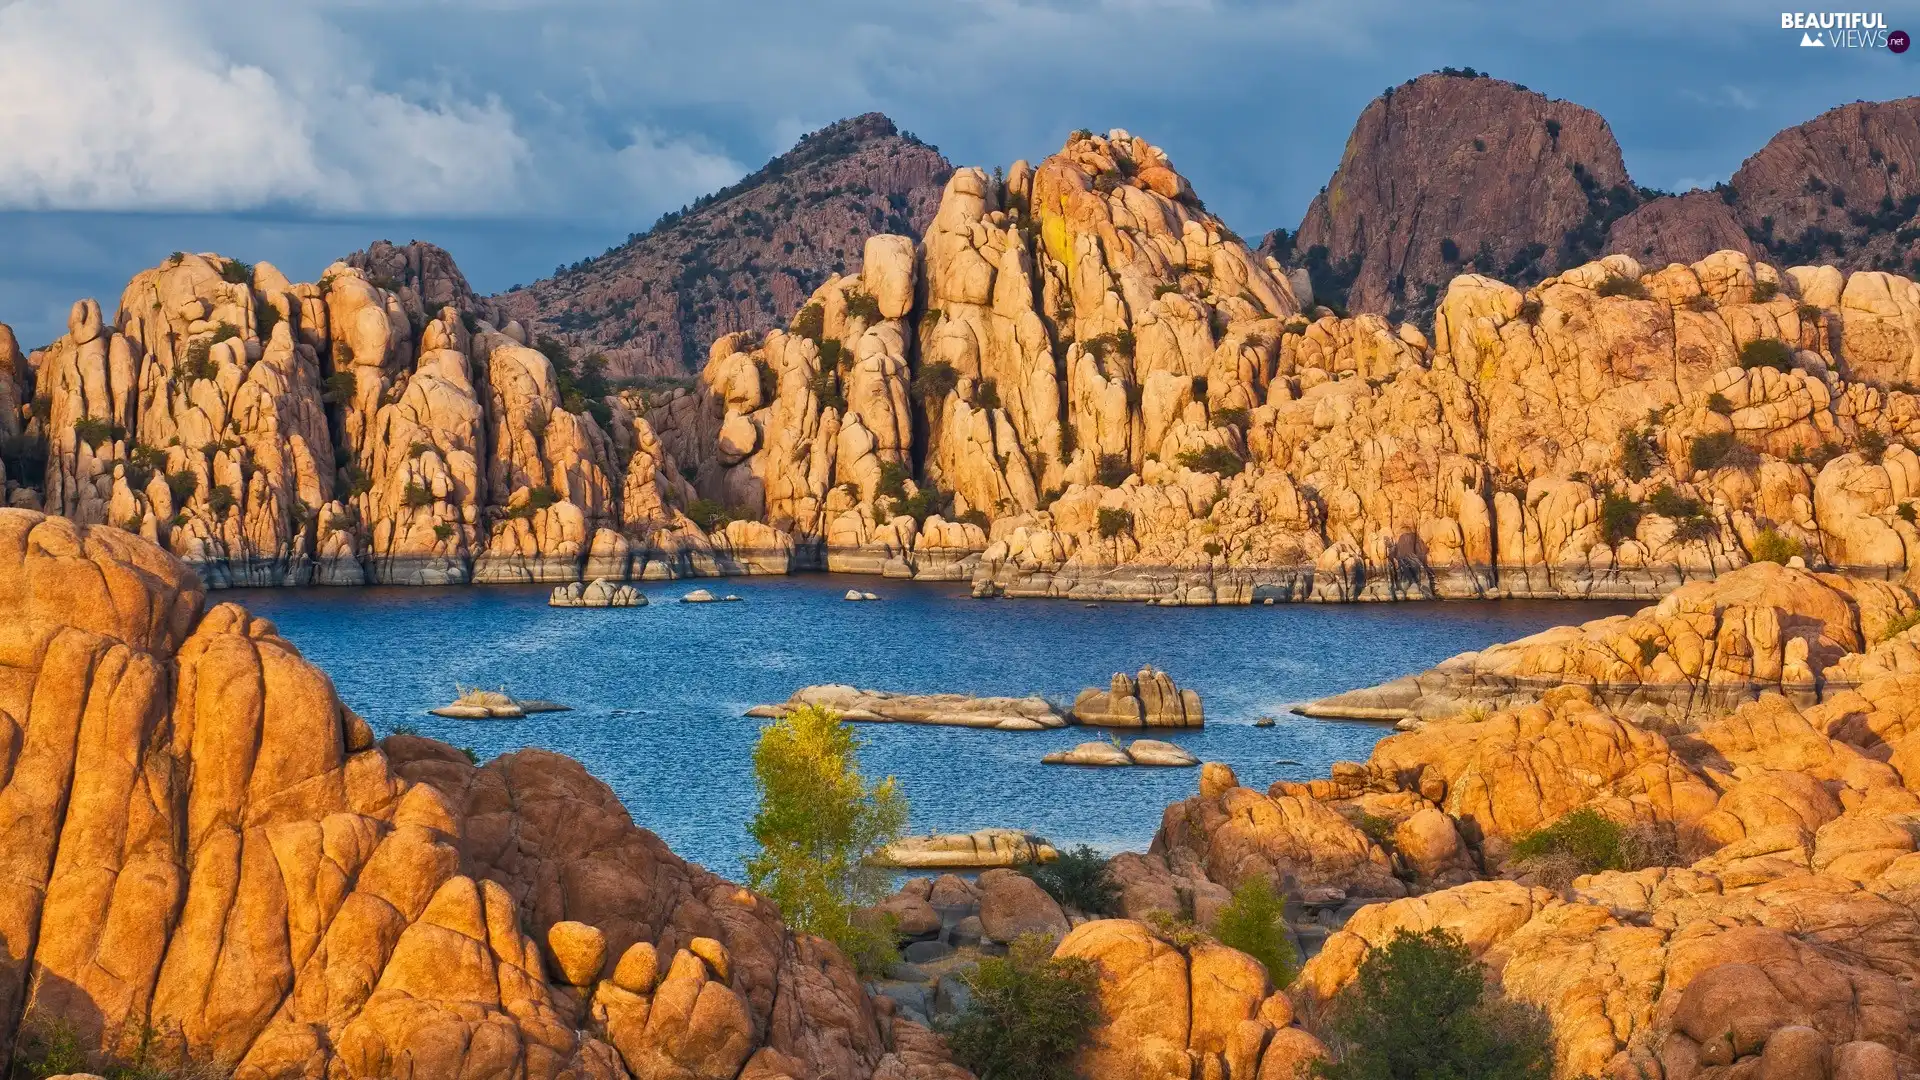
x,y
658,691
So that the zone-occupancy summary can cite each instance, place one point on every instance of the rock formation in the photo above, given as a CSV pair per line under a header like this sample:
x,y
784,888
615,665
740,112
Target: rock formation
x,y
954,710
1148,699
596,594
1155,752
1453,172
1078,383
742,257
211,858
1705,649
984,849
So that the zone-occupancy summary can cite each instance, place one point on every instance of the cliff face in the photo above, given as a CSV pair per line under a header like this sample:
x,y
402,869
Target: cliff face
x,y
1840,188
206,850
743,257
1077,383
1450,173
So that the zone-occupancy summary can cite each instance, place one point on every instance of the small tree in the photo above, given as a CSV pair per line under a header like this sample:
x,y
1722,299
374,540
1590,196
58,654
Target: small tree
x,y
1078,879
1031,1011
1255,922
1418,1010
818,824
1113,522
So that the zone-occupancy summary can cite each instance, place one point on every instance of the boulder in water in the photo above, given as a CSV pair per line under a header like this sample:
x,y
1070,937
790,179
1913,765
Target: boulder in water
x,y
1148,699
601,593
698,596
1137,752
477,704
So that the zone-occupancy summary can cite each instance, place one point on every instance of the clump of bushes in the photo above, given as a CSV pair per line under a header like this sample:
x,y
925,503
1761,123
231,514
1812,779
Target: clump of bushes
x,y
1619,517
1873,446
1639,452
1621,285
237,272
1771,545
1230,418
181,485
339,387
220,499
1588,842
1255,922
1114,522
1766,353
1420,1007
418,495
1717,402
862,306
1030,1013
827,390
538,499
1218,460
1764,291
1078,879
1113,470
709,515
986,394
94,431
935,381
1717,449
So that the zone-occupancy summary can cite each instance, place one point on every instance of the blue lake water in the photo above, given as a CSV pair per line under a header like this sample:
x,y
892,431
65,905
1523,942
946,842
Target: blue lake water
x,y
658,691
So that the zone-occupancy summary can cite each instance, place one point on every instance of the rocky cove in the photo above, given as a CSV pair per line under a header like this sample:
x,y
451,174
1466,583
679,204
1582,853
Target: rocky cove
x,y
659,692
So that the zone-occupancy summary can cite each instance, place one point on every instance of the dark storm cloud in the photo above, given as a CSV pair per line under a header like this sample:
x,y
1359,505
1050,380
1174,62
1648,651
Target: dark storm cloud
x,y
521,135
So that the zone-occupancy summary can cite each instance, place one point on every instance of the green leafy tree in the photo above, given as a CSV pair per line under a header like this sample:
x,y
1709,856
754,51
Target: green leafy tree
x,y
1255,922
1031,1011
819,822
1419,1010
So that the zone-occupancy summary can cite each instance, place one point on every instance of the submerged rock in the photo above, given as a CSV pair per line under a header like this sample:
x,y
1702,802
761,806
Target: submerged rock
x,y
601,593
856,594
698,596
1148,699
980,850
954,710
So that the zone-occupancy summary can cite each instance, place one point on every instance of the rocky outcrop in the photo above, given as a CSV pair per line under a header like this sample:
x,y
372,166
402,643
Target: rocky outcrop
x,y
1170,1011
1154,752
213,862
1705,649
955,710
743,256
1457,171
1147,699
599,593
985,849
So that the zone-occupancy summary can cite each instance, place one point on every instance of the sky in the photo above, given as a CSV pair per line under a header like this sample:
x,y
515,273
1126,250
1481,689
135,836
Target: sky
x,y
521,134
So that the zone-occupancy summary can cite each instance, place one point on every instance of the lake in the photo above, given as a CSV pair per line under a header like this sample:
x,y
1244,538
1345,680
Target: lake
x,y
658,691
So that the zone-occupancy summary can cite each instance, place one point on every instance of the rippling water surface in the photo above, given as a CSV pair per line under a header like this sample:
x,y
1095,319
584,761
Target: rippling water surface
x,y
658,691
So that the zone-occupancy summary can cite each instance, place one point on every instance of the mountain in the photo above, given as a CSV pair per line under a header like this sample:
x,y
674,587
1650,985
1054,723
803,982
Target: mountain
x,y
1458,172
743,257
1455,172
1842,188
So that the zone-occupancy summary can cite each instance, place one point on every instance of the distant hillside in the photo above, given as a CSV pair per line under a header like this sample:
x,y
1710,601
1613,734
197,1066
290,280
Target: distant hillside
x,y
1457,172
744,257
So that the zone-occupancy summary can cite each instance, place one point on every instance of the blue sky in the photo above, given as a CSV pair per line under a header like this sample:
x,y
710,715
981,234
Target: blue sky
x,y
520,134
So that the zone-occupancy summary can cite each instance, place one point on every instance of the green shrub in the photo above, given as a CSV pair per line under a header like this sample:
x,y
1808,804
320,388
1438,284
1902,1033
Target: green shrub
x,y
237,272
769,382
893,480
1619,517
226,331
1901,625
1906,512
418,448
1766,353
1770,545
1255,922
818,825
1114,522
1377,829
1218,460
1639,452
1530,310
473,758
418,495
1078,879
142,463
1764,291
181,485
1113,470
1620,285
49,1049
827,390
810,321
709,515
1717,449
220,500
339,387
1419,1010
1717,402
1700,302
976,516
94,431
1671,504
935,381
862,306
1030,1013
1591,840
986,394
1873,446
1230,418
